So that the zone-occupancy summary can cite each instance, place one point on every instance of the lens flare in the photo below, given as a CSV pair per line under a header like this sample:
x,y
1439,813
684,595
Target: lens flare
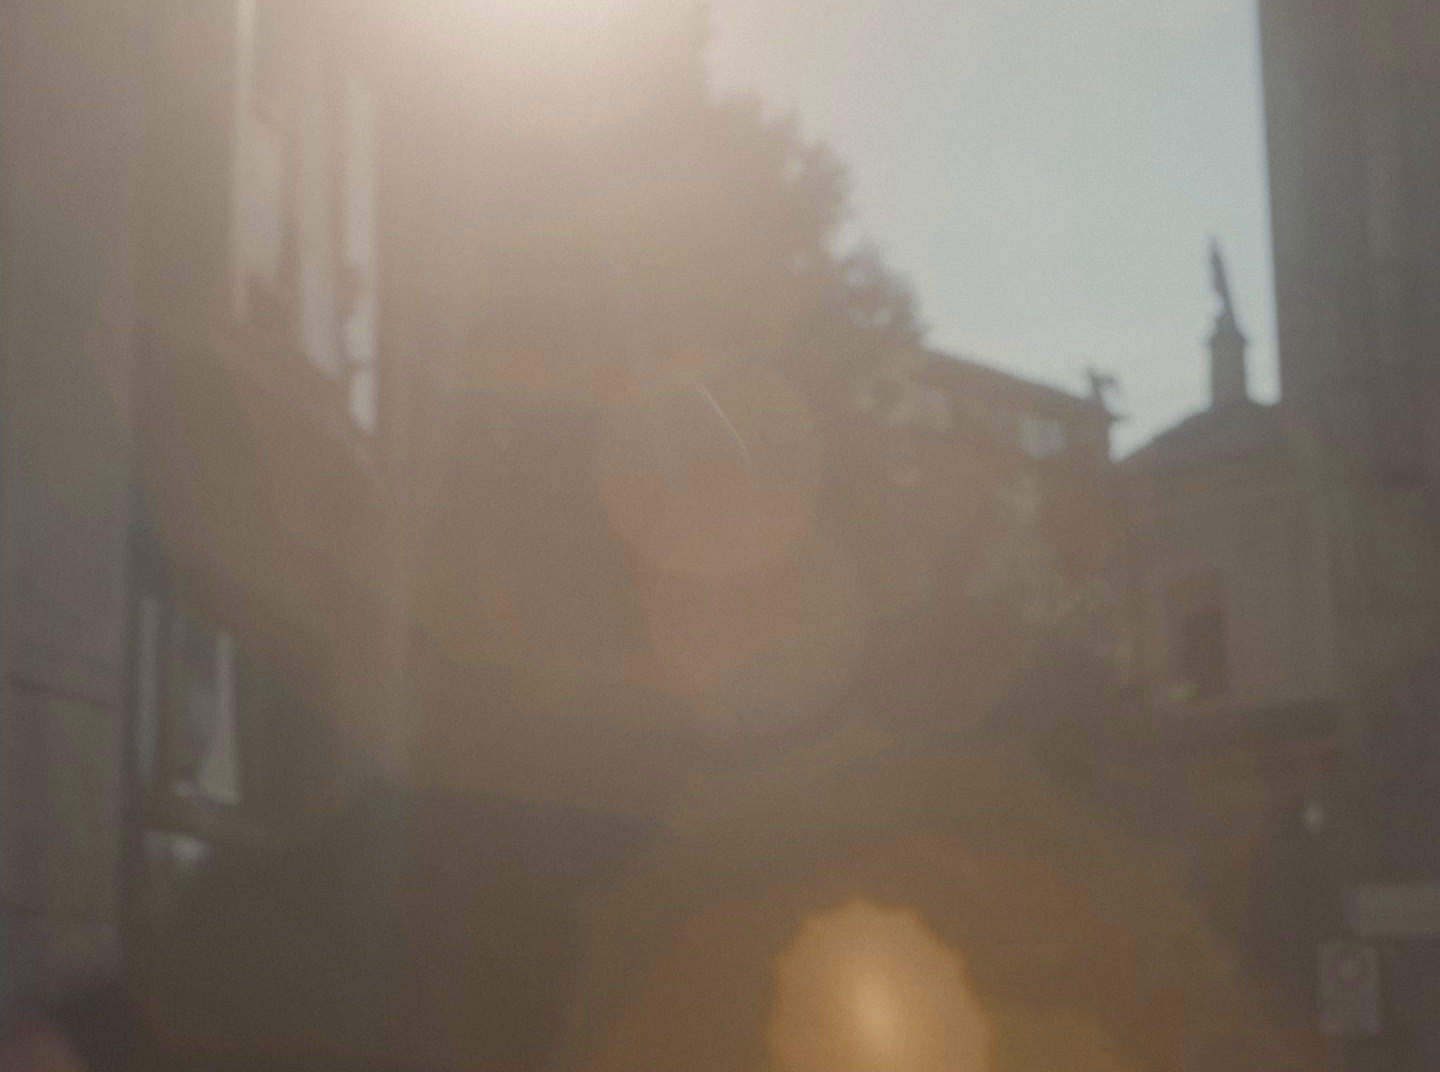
x,y
872,989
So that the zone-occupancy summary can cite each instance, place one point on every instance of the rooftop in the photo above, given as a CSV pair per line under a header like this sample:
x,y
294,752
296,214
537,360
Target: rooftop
x,y
965,374
1219,434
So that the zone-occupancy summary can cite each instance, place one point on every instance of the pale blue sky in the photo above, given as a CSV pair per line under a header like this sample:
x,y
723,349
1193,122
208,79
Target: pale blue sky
x,y
1046,172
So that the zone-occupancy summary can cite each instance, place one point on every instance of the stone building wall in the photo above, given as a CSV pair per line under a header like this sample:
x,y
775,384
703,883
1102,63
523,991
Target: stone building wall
x,y
67,127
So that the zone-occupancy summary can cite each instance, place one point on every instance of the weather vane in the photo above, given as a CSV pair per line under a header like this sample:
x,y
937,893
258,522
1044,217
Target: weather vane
x,y
1221,282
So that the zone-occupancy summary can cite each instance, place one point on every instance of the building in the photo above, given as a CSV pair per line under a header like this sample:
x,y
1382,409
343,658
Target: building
x,y
995,500
1234,612
1351,93
1059,439
205,537
268,647
68,130
1032,420
1233,620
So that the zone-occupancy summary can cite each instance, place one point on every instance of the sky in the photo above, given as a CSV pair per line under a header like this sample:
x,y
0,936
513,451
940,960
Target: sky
x,y
1046,173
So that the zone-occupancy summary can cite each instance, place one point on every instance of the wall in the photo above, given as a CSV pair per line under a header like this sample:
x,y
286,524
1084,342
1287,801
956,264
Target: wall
x,y
1247,522
66,278
1351,100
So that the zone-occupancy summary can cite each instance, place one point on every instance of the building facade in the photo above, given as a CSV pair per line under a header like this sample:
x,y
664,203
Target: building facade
x,y
204,534
1232,595
1233,619
267,651
1352,92
68,215
279,519
1351,95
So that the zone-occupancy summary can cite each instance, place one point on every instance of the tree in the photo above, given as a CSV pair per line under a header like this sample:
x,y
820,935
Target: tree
x,y
706,521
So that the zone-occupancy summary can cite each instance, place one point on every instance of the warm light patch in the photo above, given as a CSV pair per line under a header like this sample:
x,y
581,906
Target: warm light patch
x,y
555,16
530,32
765,649
535,16
870,989
710,474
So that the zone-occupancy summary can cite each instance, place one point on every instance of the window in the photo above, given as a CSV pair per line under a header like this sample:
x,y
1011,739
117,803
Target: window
x,y
204,752
305,237
1199,639
1041,437
187,747
223,753
265,150
187,706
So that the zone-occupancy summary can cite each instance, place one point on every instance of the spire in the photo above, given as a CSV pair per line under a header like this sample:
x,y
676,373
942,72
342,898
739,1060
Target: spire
x,y
1229,383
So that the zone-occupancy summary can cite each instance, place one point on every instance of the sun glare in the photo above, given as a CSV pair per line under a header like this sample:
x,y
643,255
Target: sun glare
x,y
872,989
552,18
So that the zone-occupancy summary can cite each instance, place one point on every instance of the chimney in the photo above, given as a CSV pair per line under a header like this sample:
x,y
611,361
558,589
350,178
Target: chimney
x,y
1229,383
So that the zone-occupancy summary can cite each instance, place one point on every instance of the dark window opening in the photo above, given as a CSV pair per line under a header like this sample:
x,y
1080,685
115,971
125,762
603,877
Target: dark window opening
x,y
227,755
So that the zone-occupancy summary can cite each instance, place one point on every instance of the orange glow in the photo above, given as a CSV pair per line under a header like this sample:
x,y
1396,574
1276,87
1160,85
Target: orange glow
x,y
765,648
527,24
878,1021
869,989
710,475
